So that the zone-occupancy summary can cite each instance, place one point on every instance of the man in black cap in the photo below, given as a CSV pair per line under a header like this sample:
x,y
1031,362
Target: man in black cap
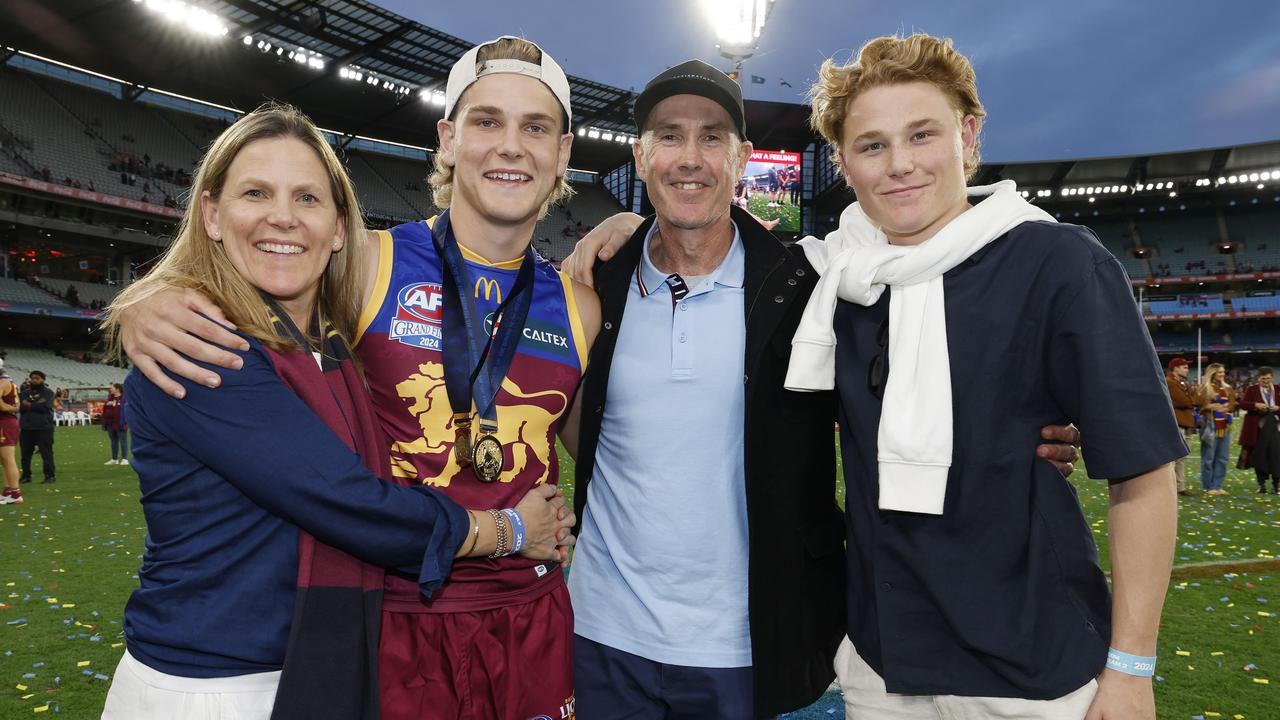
x,y
708,579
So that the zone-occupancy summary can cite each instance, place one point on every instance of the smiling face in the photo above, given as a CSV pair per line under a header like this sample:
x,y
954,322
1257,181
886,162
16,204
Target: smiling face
x,y
507,149
277,220
690,161
903,151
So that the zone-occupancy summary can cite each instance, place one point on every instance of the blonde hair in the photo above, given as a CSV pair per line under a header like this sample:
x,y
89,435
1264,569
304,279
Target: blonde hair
x,y
1206,380
441,178
893,60
196,261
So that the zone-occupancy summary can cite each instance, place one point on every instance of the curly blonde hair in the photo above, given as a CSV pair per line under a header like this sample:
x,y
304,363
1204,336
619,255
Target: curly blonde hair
x,y
441,178
892,60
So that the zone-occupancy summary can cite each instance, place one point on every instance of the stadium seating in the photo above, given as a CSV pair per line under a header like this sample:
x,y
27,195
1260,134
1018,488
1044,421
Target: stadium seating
x,y
1260,235
61,372
1185,245
1177,307
1256,304
17,291
405,178
557,233
377,195
88,292
132,129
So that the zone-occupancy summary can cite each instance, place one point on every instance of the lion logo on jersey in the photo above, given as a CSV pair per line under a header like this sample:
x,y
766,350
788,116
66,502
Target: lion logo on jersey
x,y
519,414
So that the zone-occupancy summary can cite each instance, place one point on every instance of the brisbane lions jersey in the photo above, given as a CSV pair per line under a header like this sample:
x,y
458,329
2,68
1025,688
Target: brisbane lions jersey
x,y
398,344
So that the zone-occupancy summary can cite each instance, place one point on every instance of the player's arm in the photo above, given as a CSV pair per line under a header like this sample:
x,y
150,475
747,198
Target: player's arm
x,y
5,385
1142,525
589,313
175,329
603,242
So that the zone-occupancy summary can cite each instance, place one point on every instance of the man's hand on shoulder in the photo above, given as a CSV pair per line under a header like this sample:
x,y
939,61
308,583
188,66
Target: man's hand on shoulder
x,y
603,242
159,331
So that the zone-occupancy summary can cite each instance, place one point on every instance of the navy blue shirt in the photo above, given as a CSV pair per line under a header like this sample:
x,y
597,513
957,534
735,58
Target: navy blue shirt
x,y
1002,595
39,414
228,476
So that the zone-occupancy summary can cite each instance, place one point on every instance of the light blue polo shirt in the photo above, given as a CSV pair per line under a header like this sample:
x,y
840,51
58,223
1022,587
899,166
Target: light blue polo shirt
x,y
660,569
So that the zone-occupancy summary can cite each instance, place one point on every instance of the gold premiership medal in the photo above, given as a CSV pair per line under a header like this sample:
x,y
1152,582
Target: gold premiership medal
x,y
486,458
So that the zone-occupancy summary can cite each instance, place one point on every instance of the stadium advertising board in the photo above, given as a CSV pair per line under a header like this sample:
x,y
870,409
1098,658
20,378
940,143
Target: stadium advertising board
x,y
770,189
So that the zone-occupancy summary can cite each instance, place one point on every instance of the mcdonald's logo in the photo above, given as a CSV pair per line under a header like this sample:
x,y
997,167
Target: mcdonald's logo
x,y
491,288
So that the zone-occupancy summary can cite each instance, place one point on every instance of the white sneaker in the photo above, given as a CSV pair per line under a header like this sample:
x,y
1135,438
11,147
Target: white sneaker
x,y
123,462
111,462
10,500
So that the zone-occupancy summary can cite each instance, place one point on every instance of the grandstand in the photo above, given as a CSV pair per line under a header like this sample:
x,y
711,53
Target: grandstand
x,y
17,291
62,372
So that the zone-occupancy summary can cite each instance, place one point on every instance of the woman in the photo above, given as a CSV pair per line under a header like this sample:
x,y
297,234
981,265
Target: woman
x,y
1260,433
9,439
113,422
251,513
1217,409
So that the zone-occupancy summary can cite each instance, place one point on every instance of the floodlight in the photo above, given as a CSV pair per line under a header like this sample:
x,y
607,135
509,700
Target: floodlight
x,y
593,134
737,24
582,132
1221,180
194,19
1064,192
1265,176
1253,177
606,136
1092,199
248,39
1231,179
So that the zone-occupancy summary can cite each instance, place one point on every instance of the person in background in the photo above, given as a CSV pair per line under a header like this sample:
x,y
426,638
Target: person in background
x,y
113,422
1183,395
1218,409
1260,435
36,422
9,438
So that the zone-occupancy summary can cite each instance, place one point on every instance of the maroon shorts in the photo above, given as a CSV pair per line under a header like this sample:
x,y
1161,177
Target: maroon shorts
x,y
8,431
512,663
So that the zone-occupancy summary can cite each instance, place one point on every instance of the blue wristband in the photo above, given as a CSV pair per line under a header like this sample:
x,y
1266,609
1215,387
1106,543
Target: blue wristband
x,y
1130,664
517,530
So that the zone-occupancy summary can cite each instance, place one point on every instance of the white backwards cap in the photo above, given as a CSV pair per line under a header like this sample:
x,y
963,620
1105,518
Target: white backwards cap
x,y
465,73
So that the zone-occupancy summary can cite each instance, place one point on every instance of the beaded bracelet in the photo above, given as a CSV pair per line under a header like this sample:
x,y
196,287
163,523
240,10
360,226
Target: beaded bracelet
x,y
517,530
503,547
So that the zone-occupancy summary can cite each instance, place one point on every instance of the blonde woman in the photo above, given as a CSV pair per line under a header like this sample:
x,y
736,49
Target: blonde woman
x,y
255,494
1217,409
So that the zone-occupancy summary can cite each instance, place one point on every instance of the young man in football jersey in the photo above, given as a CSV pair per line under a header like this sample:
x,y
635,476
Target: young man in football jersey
x,y
473,347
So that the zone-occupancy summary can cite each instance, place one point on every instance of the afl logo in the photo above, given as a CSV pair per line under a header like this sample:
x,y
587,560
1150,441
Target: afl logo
x,y
420,302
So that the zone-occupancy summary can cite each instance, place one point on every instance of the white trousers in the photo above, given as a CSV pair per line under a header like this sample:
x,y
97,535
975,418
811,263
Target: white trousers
x,y
139,692
866,698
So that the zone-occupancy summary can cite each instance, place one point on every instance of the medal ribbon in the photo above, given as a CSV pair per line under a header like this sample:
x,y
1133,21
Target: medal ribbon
x,y
475,361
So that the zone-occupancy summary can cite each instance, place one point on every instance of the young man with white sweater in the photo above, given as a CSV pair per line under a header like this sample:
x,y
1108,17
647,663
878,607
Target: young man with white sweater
x,y
954,322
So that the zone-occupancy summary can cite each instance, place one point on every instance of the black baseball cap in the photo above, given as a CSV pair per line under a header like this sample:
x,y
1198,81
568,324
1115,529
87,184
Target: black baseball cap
x,y
693,77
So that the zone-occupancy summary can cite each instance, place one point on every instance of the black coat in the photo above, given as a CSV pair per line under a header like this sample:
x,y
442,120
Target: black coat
x,y
796,544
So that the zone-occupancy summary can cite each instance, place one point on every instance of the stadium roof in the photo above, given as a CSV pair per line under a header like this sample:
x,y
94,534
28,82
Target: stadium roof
x,y
127,42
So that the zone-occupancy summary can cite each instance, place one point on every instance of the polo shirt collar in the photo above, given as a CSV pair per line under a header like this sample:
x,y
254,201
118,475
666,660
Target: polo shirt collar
x,y
730,273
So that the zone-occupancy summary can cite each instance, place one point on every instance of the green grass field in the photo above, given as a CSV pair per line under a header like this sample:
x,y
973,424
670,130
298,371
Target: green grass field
x,y
68,559
789,214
